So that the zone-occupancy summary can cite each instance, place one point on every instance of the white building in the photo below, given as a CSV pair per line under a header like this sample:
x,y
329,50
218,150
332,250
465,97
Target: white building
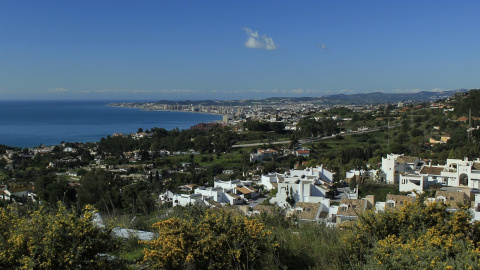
x,y
456,173
263,155
476,208
413,182
394,163
230,185
307,185
318,172
307,211
358,174
300,190
269,181
186,199
462,173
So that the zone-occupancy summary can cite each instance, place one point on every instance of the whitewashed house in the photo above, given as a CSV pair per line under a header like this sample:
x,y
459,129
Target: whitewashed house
x,y
413,182
350,209
311,212
300,190
475,210
456,173
186,199
461,173
269,181
393,164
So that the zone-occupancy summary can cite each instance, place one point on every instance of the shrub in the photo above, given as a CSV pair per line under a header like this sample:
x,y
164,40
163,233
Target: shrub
x,y
419,235
58,240
218,240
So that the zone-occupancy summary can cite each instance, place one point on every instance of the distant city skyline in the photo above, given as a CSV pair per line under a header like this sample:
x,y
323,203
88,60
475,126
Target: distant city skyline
x,y
177,50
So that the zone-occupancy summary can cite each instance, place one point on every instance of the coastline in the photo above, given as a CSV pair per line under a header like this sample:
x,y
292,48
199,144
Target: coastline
x,y
116,105
84,121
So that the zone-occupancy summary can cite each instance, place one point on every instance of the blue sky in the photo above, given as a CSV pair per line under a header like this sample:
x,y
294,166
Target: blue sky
x,y
143,50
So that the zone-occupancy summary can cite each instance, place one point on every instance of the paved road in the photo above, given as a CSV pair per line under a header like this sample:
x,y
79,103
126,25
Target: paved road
x,y
258,144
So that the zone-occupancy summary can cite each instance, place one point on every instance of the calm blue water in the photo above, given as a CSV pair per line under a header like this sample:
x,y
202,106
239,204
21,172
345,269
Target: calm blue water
x,y
31,123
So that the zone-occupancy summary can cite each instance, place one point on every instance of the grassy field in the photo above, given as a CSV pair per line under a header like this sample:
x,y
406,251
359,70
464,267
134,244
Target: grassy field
x,y
225,159
356,140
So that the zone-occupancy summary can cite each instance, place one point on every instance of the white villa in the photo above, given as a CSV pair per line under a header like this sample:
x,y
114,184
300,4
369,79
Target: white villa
x,y
456,173
232,192
394,164
307,185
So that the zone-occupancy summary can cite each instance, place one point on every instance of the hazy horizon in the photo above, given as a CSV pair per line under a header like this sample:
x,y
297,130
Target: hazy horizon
x,y
178,50
116,100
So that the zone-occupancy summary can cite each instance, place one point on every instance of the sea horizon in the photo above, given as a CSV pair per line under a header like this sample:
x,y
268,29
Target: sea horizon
x,y
30,123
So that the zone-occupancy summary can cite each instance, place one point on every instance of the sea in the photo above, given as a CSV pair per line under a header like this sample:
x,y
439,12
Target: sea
x,y
34,123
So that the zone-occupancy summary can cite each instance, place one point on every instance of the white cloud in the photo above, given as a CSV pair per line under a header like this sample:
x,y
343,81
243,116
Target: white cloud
x,y
401,91
417,90
57,90
255,41
5,92
142,91
285,92
346,91
322,46
298,91
179,91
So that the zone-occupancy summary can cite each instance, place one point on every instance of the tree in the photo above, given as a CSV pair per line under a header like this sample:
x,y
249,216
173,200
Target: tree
x,y
51,190
310,127
3,163
215,240
416,132
93,188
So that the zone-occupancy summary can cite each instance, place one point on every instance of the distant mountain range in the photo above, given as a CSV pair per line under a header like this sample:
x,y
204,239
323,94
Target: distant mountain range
x,y
374,98
379,97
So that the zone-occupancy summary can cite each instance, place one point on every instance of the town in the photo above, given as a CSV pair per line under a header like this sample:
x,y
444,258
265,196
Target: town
x,y
308,164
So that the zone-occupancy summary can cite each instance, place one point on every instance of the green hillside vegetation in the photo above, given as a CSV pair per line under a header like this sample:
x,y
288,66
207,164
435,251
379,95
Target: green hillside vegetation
x,y
418,235
409,133
424,236
464,105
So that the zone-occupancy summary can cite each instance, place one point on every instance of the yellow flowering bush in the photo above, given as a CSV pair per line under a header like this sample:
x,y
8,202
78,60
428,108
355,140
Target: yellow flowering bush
x,y
217,240
417,236
46,240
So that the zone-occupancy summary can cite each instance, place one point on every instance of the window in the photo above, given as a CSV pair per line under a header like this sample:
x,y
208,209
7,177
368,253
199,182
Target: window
x,y
391,204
